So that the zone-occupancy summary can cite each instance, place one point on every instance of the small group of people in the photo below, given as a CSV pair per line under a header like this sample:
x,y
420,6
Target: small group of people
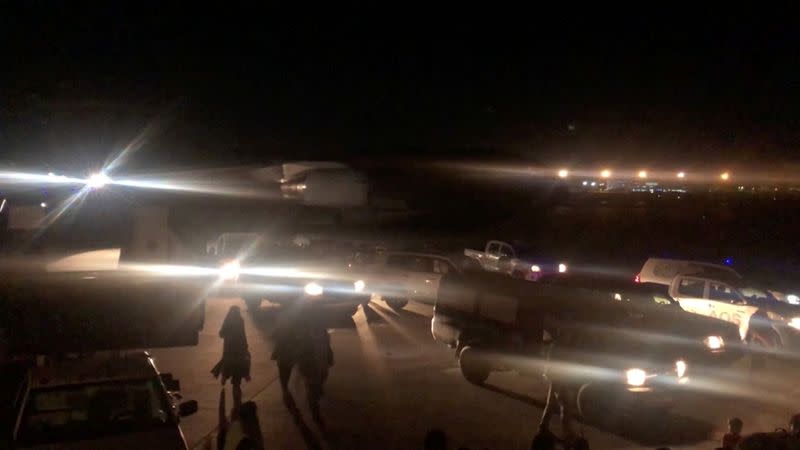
x,y
781,439
301,340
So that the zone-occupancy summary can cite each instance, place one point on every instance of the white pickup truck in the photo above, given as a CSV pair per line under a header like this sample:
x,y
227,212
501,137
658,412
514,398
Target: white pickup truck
x,y
501,257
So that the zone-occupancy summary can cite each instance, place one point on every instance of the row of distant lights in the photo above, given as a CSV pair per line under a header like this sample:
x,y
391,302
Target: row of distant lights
x,y
606,173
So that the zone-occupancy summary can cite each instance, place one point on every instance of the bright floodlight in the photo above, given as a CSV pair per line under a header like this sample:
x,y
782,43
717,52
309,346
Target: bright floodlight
x,y
563,173
642,174
98,180
605,173
681,175
562,268
724,176
43,204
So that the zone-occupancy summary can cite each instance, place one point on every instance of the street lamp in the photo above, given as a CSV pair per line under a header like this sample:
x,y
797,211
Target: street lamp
x,y
606,173
724,176
681,175
563,173
642,174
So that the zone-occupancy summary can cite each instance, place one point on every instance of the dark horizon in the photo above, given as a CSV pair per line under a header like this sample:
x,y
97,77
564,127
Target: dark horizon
x,y
701,90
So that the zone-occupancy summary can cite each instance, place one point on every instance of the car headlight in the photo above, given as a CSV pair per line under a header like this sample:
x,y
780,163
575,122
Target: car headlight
x,y
535,268
795,323
313,289
230,270
714,342
793,299
635,377
359,285
562,268
680,368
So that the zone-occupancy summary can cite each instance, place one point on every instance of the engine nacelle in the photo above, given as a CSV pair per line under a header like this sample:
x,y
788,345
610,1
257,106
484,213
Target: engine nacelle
x,y
339,187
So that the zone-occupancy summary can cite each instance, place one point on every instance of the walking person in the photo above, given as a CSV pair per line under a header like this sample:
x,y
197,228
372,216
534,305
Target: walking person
x,y
314,362
235,362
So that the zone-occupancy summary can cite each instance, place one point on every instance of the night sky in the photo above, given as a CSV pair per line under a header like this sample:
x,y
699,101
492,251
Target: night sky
x,y
225,87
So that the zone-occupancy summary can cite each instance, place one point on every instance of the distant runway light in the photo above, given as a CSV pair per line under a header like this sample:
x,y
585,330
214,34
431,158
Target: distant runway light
x,y
563,173
724,176
98,180
681,175
642,174
606,173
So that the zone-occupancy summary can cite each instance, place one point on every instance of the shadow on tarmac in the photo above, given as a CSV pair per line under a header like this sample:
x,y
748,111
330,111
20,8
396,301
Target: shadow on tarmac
x,y
308,435
646,427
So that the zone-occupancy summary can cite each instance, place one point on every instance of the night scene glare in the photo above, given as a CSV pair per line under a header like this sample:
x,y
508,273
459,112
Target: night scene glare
x,y
494,228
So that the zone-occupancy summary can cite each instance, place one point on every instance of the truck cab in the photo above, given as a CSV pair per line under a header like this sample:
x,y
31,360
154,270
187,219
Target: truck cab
x,y
100,401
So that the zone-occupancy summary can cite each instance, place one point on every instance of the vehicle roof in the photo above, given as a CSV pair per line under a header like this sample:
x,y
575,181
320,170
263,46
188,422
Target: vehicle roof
x,y
595,281
99,367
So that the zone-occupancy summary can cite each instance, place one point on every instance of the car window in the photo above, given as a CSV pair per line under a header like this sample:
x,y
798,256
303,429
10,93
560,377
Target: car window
x,y
443,267
506,251
364,258
398,262
723,292
421,264
493,249
693,288
90,411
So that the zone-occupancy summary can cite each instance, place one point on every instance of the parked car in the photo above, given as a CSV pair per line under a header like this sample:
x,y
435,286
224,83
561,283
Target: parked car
x,y
102,401
705,340
284,271
398,277
618,356
721,293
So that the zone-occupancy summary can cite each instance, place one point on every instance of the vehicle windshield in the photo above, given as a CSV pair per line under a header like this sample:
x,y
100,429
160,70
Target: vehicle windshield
x,y
92,411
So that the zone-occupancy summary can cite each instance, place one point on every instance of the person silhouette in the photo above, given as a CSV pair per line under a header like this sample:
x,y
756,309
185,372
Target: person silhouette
x,y
235,361
314,361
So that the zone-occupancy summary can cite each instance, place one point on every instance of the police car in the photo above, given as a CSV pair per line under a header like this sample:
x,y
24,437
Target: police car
x,y
102,401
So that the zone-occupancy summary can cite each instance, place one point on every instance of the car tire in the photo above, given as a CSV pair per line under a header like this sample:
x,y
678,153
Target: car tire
x,y
474,367
252,303
396,304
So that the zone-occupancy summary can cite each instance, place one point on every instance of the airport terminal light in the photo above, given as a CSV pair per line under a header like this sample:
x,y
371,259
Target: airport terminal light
x,y
606,173
725,176
563,173
642,174
681,175
98,180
